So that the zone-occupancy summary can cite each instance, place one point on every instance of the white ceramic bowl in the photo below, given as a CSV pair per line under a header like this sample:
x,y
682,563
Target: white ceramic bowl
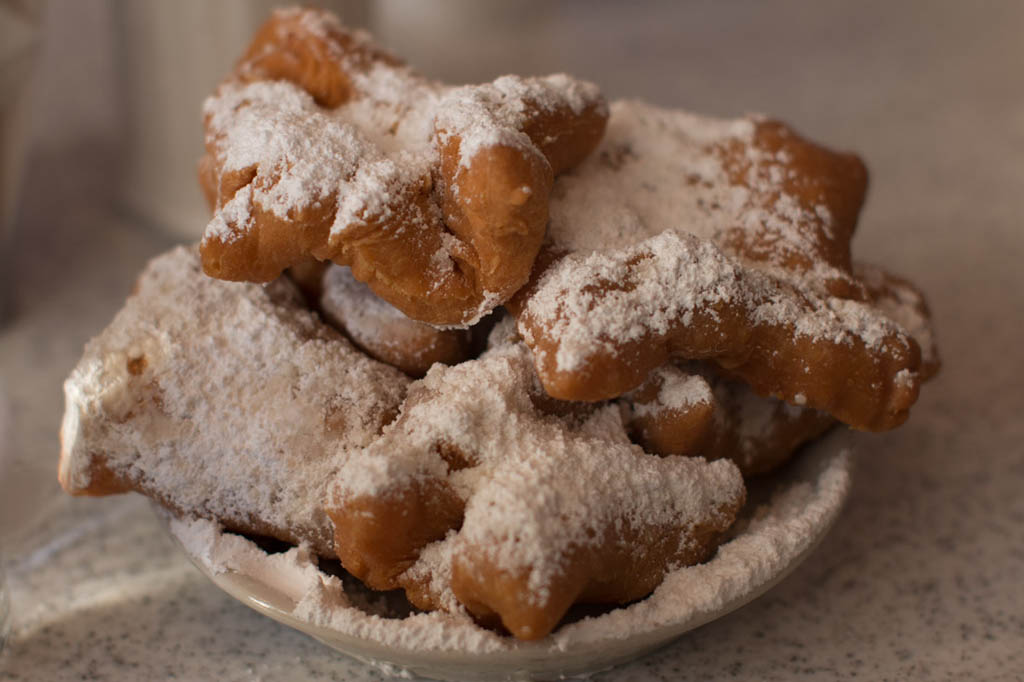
x,y
788,515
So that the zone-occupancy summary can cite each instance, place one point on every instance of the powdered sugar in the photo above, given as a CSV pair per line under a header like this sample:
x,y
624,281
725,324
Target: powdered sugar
x,y
663,280
233,218
536,485
677,391
650,223
904,305
659,169
434,566
228,400
594,302
654,170
197,343
367,155
377,326
494,114
756,421
293,573
308,155
775,538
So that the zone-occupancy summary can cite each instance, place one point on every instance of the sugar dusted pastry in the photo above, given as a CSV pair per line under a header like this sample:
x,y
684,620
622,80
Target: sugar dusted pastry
x,y
697,238
251,412
687,409
225,401
535,512
693,410
690,314
385,332
321,144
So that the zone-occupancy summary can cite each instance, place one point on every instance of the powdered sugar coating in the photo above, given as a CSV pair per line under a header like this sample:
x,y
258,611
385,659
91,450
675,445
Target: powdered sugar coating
x,y
660,169
677,391
232,402
369,151
233,218
434,567
630,189
313,153
697,239
665,280
906,306
227,400
537,485
778,535
493,114
651,223
532,514
242,320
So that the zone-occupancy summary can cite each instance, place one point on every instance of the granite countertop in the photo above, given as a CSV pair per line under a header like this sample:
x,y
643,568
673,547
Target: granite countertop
x,y
920,578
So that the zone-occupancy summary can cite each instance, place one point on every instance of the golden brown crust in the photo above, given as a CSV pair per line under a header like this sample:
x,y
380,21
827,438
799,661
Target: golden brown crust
x,y
687,428
814,176
285,48
516,470
760,433
728,420
774,299
628,564
378,538
384,332
495,205
870,388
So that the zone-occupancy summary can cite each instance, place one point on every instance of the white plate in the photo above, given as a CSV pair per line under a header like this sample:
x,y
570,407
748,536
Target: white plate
x,y
791,512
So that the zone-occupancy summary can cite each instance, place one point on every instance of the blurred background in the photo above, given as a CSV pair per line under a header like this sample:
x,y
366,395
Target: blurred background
x,y
101,129
120,82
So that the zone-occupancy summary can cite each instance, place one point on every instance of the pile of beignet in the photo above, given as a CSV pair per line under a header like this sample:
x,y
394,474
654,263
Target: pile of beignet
x,y
504,346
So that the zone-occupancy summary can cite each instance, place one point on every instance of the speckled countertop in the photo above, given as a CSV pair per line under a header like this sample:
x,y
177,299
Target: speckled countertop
x,y
923,575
